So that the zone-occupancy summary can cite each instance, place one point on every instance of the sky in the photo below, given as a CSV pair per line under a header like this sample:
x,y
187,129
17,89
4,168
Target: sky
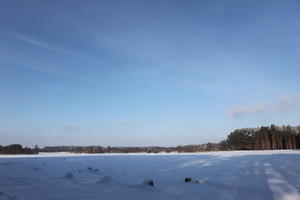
x,y
139,73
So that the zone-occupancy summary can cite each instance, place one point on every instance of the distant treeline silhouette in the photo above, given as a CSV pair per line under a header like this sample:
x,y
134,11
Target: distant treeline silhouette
x,y
149,149
263,138
17,149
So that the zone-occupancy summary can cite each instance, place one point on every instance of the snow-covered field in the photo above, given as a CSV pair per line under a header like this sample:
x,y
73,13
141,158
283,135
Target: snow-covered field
x,y
264,175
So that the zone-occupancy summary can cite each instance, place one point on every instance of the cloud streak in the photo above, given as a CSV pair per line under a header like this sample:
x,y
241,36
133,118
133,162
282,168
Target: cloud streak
x,y
39,43
125,121
31,64
72,128
284,103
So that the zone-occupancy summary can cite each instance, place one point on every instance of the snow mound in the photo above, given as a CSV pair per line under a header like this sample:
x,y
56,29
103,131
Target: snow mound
x,y
89,168
69,176
37,169
105,179
4,196
199,181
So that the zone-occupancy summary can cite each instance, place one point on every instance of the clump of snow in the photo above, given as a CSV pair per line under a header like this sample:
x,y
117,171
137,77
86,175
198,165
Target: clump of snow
x,y
199,181
105,179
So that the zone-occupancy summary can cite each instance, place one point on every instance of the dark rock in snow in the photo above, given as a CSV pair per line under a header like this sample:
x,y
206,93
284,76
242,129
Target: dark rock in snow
x,y
187,179
149,182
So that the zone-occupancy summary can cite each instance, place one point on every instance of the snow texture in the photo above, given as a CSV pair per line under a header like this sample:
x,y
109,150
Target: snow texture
x,y
246,175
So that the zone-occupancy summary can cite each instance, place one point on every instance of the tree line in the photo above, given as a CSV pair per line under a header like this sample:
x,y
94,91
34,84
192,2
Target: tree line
x,y
148,149
17,149
263,138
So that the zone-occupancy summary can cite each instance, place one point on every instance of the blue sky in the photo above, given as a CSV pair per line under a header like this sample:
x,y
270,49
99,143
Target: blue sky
x,y
146,72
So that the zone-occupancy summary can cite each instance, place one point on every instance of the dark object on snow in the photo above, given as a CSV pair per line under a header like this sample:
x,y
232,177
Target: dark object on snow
x,y
187,179
69,175
89,168
149,182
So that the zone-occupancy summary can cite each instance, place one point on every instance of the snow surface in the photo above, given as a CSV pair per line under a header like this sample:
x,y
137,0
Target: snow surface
x,y
240,175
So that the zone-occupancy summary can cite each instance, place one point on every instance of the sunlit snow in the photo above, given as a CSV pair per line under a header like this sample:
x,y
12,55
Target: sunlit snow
x,y
240,175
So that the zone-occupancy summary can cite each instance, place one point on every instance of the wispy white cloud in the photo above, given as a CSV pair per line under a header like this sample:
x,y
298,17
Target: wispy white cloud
x,y
284,103
236,111
31,64
287,102
125,121
8,56
254,110
73,128
38,43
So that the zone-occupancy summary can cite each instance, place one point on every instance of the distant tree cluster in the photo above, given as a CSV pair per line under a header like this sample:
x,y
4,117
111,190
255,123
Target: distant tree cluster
x,y
263,138
149,149
17,149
